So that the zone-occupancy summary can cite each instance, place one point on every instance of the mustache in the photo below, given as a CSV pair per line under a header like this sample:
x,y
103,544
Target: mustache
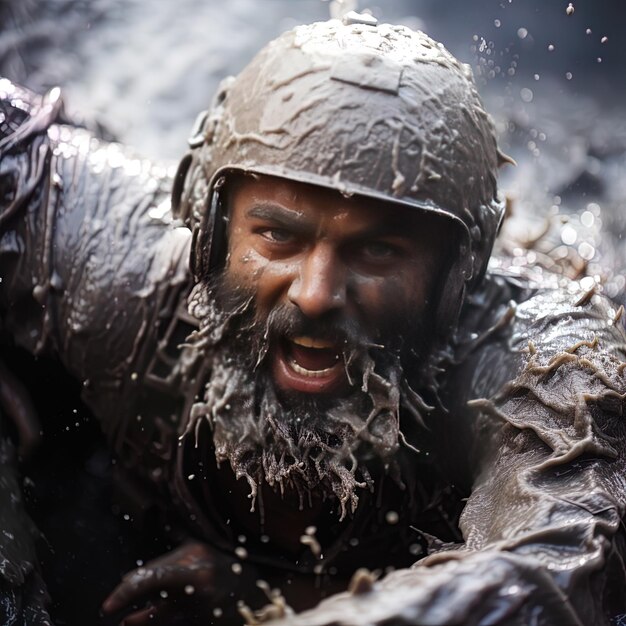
x,y
287,320
234,318
347,335
238,308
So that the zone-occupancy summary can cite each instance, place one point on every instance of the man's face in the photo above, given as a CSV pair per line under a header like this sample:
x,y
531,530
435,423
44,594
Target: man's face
x,y
334,263
315,333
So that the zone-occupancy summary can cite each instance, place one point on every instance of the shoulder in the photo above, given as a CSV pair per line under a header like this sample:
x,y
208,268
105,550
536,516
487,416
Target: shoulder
x,y
509,320
565,318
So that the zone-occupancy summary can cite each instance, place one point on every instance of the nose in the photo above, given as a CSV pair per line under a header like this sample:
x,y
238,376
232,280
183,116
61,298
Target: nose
x,y
320,285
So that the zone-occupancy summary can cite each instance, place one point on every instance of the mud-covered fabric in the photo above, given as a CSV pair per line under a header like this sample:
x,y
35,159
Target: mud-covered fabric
x,y
543,532
89,261
89,254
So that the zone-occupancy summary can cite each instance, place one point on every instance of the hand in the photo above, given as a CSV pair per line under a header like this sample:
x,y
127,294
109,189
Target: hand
x,y
182,582
15,402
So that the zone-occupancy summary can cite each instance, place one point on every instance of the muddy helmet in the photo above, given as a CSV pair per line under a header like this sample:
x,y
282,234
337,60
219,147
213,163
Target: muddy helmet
x,y
374,110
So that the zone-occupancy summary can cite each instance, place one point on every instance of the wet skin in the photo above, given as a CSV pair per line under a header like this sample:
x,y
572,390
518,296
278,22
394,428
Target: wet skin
x,y
331,257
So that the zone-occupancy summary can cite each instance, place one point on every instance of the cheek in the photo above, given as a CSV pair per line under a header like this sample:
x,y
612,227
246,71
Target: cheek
x,y
270,280
382,298
376,298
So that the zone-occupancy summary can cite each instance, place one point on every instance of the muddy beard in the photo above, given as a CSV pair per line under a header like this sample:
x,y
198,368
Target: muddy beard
x,y
313,447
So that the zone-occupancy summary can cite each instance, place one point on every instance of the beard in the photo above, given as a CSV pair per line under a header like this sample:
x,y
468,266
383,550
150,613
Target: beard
x,y
313,446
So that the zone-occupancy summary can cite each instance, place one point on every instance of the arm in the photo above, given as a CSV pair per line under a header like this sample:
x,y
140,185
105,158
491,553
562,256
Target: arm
x,y
544,542
90,259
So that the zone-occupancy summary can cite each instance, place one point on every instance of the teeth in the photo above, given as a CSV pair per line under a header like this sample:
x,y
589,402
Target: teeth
x,y
310,373
309,342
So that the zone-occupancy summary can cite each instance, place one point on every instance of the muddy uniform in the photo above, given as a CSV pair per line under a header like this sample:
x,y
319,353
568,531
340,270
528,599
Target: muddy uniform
x,y
62,191
94,271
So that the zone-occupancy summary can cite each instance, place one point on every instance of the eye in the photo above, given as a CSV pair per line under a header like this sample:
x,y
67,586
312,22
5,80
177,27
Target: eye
x,y
379,251
277,235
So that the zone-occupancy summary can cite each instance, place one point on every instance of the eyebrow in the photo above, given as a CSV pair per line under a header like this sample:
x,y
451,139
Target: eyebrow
x,y
293,221
280,216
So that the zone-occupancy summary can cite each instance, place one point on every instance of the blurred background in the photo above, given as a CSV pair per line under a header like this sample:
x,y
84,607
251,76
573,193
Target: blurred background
x,y
145,68
552,72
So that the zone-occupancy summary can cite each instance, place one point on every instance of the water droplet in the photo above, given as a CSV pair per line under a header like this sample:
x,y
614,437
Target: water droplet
x,y
586,251
217,612
190,590
392,517
241,552
594,208
604,39
568,75
236,567
587,283
587,219
568,235
163,594
526,94
497,23
570,9
588,31
551,47
522,33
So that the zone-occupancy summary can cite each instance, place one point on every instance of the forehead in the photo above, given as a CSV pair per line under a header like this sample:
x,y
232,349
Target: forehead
x,y
314,204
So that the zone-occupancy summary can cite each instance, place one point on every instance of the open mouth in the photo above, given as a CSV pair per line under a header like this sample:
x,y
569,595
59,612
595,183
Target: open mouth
x,y
309,365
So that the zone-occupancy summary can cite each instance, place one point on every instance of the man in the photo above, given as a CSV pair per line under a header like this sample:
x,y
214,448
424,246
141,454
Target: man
x,y
354,372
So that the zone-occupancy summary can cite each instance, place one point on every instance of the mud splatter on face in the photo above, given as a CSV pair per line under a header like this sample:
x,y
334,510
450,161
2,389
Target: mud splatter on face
x,y
329,446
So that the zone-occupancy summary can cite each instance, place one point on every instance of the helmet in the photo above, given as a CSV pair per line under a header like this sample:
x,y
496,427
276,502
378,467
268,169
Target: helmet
x,y
375,110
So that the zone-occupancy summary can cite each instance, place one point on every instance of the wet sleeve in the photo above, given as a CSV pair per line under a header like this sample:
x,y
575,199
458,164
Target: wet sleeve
x,y
88,247
552,488
544,537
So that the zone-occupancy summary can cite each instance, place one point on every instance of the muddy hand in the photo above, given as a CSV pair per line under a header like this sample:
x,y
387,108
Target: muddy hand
x,y
15,402
180,583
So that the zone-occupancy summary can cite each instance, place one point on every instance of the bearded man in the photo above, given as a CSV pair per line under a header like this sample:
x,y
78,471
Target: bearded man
x,y
336,378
